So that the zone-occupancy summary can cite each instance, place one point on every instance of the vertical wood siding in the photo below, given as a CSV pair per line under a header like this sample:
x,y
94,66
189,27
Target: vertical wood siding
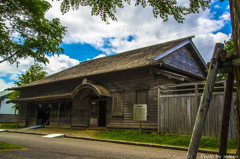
x,y
178,114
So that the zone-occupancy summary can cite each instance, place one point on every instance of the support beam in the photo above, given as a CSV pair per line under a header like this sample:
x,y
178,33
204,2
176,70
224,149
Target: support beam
x,y
204,103
159,110
226,114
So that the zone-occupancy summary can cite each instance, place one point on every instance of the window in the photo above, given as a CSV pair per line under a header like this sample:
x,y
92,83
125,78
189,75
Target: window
x,y
54,110
65,110
94,109
117,104
141,97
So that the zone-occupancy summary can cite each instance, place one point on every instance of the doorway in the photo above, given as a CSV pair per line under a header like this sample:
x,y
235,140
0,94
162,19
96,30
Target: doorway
x,y
43,115
98,113
102,114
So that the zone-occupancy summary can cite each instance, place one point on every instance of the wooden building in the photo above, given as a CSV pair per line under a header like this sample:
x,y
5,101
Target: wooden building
x,y
101,92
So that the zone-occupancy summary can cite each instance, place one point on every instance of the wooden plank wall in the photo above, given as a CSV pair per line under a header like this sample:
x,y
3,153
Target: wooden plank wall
x,y
178,113
137,79
23,115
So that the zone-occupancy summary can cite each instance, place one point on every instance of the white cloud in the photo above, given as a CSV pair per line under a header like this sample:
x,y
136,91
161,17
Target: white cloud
x,y
140,23
100,56
217,6
4,85
13,69
14,77
12,72
225,16
59,63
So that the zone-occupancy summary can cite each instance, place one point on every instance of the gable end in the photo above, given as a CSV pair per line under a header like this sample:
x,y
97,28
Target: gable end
x,y
184,60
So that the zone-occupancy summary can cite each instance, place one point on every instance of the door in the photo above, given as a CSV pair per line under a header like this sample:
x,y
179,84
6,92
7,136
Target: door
x,y
98,113
43,115
102,113
94,112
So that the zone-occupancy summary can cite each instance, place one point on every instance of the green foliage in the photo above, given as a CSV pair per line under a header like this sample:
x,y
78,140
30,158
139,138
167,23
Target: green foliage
x,y
162,139
5,145
34,73
25,32
13,95
107,8
8,125
229,46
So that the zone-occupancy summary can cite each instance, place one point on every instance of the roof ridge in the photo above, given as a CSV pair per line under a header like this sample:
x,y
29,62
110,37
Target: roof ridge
x,y
120,54
189,37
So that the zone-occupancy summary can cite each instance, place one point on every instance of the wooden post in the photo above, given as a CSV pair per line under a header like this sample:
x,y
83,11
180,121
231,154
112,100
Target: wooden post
x,y
204,103
226,114
159,110
140,122
58,115
196,95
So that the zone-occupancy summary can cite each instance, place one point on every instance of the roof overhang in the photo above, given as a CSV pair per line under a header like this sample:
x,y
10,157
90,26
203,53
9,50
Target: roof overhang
x,y
41,98
179,71
99,90
171,75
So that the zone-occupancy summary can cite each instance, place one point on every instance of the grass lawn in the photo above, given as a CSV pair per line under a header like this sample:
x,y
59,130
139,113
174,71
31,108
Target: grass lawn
x,y
8,125
162,139
6,146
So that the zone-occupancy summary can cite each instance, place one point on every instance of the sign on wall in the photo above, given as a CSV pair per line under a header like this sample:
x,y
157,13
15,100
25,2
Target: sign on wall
x,y
140,112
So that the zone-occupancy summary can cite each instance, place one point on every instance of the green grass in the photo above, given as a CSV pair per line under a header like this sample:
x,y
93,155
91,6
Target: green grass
x,y
162,139
8,125
5,146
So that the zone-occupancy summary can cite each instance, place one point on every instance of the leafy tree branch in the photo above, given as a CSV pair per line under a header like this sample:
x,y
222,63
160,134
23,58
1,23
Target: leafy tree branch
x,y
25,32
107,9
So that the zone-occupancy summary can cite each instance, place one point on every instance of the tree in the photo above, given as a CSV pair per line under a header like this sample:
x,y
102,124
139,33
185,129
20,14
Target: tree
x,y
34,73
235,18
25,32
107,8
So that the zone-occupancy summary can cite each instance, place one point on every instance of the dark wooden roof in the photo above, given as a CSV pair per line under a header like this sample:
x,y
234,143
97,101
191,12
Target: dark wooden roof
x,y
123,61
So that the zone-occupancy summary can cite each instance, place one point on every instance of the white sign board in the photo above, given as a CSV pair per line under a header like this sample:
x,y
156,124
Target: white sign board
x,y
140,112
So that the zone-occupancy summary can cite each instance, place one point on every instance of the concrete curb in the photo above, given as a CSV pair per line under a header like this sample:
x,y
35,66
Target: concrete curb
x,y
124,142
22,132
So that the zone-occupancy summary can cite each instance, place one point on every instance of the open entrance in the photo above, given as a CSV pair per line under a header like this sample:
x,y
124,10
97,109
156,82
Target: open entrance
x,y
102,114
43,115
98,113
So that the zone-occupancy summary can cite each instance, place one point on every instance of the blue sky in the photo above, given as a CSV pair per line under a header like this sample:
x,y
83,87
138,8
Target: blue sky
x,y
88,37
